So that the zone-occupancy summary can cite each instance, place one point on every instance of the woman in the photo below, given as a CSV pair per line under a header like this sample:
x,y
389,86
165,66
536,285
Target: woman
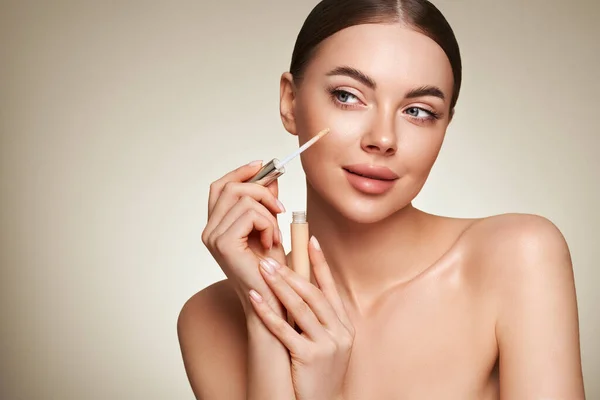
x,y
404,304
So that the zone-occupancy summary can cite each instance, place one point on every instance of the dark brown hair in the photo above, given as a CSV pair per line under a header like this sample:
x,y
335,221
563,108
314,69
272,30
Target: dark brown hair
x,y
331,16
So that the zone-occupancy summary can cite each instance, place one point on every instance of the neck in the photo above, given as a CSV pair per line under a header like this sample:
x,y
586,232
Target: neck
x,y
368,259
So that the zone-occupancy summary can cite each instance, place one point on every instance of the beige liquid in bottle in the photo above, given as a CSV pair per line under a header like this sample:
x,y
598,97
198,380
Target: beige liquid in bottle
x,y
299,236
299,233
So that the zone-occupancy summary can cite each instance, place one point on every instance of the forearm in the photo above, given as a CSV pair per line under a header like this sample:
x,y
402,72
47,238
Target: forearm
x,y
269,374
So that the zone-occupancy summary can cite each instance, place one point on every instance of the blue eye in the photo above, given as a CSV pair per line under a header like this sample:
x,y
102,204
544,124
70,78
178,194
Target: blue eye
x,y
343,97
422,114
418,112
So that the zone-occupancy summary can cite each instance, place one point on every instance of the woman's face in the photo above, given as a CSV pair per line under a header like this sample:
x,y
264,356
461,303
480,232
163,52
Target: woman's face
x,y
384,91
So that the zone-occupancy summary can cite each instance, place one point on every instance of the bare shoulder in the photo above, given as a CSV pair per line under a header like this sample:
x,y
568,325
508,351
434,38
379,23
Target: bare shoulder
x,y
212,336
525,259
512,242
510,256
523,265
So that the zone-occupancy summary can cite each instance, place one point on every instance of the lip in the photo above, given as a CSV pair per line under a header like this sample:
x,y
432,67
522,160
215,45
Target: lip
x,y
370,179
372,171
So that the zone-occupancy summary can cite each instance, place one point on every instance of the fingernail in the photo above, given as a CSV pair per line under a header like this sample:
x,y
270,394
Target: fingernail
x,y
255,163
315,243
254,294
280,205
267,267
273,263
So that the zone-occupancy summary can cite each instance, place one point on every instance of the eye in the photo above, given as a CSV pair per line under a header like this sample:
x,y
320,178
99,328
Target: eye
x,y
418,112
422,115
345,97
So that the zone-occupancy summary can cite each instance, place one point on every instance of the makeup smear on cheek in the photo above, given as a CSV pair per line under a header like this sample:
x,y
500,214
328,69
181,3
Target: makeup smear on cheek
x,y
348,128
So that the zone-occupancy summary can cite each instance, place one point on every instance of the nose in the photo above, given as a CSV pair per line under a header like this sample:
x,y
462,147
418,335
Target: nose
x,y
381,138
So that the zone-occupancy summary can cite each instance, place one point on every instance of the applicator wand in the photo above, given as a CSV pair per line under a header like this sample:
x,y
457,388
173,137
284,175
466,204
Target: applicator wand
x,y
275,168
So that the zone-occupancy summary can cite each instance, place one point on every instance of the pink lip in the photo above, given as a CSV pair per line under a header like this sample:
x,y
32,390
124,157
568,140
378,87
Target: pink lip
x,y
372,171
370,179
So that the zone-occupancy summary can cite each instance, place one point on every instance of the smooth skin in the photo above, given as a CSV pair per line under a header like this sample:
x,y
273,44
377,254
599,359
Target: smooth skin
x,y
405,304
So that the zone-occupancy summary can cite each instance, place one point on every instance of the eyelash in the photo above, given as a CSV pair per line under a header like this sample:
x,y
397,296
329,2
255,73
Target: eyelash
x,y
334,92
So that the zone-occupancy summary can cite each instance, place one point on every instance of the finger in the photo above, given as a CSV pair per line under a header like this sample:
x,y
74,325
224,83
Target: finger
x,y
324,279
296,306
313,296
231,194
240,174
237,234
243,205
277,325
233,191
274,188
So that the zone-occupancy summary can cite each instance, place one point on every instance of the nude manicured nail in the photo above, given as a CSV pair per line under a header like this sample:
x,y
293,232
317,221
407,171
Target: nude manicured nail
x,y
280,205
267,267
255,163
273,263
315,243
254,294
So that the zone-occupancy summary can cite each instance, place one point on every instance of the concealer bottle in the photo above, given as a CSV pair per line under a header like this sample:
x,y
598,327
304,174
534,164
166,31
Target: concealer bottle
x,y
300,260
299,233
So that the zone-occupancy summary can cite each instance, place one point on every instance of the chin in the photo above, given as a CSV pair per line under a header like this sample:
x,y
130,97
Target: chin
x,y
360,209
356,207
367,212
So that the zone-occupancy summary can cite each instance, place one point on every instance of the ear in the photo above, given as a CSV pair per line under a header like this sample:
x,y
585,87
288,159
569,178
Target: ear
x,y
287,102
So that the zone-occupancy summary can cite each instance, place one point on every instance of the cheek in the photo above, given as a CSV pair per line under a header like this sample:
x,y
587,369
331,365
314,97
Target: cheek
x,y
420,150
316,112
334,149
347,128
348,125
314,163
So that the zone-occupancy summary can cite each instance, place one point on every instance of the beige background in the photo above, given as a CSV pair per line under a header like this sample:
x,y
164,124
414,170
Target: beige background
x,y
116,116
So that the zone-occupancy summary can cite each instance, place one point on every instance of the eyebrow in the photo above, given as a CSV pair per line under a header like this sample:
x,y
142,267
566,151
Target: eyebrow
x,y
354,74
366,80
426,91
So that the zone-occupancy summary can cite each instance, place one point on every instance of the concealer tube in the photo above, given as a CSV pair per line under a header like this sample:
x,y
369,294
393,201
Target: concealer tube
x,y
300,260
299,233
